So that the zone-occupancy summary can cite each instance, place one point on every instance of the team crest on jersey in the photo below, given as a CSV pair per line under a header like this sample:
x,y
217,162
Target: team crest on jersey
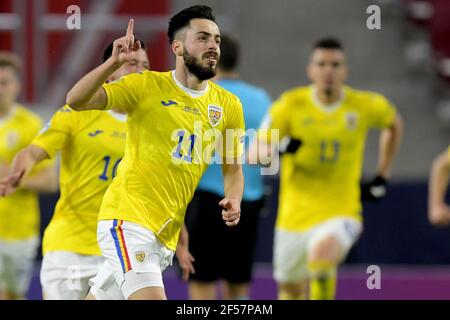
x,y
351,119
12,139
214,114
140,256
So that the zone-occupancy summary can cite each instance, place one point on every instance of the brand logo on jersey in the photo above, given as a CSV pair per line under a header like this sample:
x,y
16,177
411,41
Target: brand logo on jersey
x,y
168,103
214,114
351,120
95,133
12,139
140,256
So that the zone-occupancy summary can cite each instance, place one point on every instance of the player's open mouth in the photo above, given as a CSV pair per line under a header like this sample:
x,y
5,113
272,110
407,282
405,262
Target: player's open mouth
x,y
212,57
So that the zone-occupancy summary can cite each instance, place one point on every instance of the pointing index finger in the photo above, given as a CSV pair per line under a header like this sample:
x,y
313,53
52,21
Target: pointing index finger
x,y
130,27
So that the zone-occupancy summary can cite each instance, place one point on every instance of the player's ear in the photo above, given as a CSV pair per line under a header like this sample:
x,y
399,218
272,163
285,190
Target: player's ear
x,y
177,47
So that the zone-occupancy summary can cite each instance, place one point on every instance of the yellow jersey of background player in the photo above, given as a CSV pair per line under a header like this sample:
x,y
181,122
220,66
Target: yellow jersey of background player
x,y
319,212
19,214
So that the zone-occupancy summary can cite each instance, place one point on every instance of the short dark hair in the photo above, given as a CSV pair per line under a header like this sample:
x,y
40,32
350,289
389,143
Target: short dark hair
x,y
108,51
328,43
10,60
184,17
229,52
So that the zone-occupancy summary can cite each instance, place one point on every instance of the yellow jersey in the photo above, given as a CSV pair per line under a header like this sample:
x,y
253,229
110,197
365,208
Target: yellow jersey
x,y
169,139
92,143
19,212
321,180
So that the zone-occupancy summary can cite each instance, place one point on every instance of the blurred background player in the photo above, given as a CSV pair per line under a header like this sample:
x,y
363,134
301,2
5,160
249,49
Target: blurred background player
x,y
19,214
91,145
143,210
438,210
319,212
210,240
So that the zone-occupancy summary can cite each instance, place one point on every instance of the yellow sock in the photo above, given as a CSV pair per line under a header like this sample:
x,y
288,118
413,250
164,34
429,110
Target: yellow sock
x,y
323,280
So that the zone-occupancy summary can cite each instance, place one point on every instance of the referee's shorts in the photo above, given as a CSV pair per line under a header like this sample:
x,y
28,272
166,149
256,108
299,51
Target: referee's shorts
x,y
221,252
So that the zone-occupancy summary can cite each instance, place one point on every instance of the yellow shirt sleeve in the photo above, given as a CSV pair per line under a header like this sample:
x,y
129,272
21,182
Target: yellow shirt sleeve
x,y
125,93
381,112
56,134
276,119
34,130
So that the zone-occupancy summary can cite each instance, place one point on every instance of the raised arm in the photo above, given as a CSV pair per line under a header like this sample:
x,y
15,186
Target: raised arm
x,y
87,93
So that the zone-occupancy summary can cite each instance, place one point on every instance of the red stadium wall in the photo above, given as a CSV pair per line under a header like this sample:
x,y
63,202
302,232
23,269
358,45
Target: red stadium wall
x,y
57,41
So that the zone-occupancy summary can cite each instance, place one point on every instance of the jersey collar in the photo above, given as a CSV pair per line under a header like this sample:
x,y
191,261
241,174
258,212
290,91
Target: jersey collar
x,y
119,116
326,107
192,93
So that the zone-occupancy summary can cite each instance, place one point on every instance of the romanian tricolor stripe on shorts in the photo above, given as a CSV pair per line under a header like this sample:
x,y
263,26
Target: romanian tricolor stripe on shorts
x,y
121,247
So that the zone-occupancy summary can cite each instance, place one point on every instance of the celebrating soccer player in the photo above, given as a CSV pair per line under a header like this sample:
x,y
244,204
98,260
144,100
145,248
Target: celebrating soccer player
x,y
170,118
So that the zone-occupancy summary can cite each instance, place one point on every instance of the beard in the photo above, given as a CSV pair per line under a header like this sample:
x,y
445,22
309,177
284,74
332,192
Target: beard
x,y
196,68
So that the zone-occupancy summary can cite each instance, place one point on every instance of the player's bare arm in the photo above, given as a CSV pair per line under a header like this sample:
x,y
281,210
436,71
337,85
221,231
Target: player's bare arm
x,y
438,210
233,180
22,165
184,257
45,181
88,94
390,139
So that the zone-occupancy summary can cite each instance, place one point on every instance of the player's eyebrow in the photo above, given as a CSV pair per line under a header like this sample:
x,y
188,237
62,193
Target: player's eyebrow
x,y
204,32
207,34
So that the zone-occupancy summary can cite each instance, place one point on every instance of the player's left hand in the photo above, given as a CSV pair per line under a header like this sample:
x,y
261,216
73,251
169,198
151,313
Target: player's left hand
x,y
9,184
375,190
185,259
289,145
231,212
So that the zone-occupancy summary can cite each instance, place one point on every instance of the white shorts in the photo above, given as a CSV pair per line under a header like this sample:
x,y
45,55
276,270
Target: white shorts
x,y
291,249
134,259
17,264
65,275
